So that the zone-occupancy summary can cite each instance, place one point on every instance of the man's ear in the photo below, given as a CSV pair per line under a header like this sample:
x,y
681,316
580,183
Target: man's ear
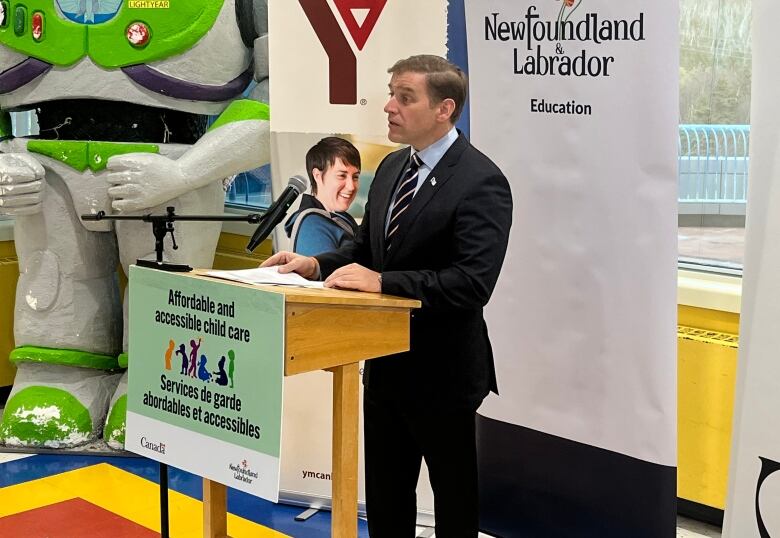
x,y
446,109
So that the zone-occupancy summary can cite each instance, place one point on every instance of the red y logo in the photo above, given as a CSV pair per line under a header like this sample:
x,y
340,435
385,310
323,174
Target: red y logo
x,y
342,61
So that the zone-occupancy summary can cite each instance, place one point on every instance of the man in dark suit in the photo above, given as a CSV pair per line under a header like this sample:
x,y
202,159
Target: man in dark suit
x,y
435,228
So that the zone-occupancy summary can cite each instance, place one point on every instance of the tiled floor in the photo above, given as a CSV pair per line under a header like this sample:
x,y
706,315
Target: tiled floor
x,y
688,528
121,493
126,487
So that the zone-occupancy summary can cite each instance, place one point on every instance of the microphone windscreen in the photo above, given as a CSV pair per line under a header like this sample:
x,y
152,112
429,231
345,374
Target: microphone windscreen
x,y
299,183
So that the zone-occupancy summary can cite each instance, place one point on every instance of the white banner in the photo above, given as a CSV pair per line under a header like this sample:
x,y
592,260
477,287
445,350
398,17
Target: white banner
x,y
584,125
754,477
577,102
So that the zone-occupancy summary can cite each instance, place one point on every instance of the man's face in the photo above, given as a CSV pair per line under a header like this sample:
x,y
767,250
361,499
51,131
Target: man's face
x,y
337,186
411,117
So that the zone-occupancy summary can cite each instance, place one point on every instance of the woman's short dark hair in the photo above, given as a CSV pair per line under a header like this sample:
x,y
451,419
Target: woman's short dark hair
x,y
445,80
324,153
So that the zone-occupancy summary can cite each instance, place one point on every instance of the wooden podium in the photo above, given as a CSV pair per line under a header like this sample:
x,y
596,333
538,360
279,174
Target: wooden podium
x,y
329,330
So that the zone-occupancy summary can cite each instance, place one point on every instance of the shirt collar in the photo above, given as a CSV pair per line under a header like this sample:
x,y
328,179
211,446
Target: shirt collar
x,y
431,155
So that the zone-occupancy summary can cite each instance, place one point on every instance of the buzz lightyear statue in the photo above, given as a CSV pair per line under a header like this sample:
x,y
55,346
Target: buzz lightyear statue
x,y
122,90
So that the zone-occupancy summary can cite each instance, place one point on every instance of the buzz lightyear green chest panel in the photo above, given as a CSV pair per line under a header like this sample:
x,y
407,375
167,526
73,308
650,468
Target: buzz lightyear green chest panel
x,y
113,34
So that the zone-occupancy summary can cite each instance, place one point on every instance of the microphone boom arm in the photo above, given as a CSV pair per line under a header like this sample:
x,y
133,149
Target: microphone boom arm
x,y
162,225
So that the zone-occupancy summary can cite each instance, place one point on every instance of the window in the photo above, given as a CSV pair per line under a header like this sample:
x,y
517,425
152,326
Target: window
x,y
251,189
714,143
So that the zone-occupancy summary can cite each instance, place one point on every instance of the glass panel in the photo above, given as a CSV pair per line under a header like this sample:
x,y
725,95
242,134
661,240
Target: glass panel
x,y
251,189
714,137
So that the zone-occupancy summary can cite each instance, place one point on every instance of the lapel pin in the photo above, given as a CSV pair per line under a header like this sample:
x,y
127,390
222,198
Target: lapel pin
x,y
433,181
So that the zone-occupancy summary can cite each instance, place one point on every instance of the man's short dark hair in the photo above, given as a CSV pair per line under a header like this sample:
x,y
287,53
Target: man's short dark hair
x,y
445,79
324,153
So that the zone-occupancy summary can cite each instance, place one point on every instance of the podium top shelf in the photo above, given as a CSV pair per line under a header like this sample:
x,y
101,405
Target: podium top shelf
x,y
330,296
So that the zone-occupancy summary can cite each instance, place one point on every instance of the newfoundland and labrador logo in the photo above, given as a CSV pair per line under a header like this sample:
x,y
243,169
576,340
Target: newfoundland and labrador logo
x,y
243,472
548,43
342,60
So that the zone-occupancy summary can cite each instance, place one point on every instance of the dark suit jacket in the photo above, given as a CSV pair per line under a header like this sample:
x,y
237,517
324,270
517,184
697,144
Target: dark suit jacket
x,y
447,253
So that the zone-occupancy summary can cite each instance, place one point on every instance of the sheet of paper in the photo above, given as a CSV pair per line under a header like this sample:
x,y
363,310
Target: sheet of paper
x,y
265,275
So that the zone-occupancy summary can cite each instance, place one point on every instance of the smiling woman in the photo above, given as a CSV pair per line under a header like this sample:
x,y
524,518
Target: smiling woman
x,y
322,223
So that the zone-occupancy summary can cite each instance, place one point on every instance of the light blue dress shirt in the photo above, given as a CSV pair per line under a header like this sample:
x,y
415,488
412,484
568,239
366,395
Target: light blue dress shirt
x,y
429,157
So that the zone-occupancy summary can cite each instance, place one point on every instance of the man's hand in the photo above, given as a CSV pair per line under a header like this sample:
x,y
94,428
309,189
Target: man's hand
x,y
289,262
21,184
354,277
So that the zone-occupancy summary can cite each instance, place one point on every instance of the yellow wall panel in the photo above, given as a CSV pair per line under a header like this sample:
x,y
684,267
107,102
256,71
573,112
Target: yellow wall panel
x,y
232,254
706,381
711,320
9,274
706,378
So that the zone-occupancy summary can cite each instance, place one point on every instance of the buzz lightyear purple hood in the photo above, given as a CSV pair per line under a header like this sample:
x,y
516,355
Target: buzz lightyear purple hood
x,y
114,34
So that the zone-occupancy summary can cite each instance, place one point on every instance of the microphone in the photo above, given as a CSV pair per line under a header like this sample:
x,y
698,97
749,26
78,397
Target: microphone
x,y
278,210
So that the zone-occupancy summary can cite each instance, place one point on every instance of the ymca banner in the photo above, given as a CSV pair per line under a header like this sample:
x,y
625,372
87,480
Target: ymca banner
x,y
328,76
754,476
577,102
329,59
205,386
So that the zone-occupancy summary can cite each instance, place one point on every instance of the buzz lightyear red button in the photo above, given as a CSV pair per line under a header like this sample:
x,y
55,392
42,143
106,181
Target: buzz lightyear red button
x,y
37,25
138,34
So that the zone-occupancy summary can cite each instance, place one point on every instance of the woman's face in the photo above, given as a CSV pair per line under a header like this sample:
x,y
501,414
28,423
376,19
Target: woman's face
x,y
337,186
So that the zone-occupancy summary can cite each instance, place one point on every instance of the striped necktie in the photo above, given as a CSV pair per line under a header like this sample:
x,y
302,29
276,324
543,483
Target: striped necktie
x,y
403,197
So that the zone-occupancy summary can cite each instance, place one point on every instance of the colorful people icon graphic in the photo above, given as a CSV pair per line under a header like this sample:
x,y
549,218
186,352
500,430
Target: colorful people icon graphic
x,y
203,373
192,371
184,362
169,354
231,366
222,378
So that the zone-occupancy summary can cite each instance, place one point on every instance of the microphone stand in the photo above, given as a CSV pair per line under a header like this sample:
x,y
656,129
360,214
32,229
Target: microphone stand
x,y
162,225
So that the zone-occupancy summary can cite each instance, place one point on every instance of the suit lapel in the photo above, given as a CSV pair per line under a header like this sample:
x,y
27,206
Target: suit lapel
x,y
442,173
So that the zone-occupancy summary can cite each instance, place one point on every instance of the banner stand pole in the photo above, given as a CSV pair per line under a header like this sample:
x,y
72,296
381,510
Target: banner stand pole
x,y
164,532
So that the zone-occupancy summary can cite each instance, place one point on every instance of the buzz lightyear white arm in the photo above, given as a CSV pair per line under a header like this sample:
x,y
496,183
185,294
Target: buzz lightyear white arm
x,y
238,141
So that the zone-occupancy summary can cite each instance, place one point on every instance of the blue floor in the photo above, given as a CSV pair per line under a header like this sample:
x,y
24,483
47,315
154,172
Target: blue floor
x,y
279,517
